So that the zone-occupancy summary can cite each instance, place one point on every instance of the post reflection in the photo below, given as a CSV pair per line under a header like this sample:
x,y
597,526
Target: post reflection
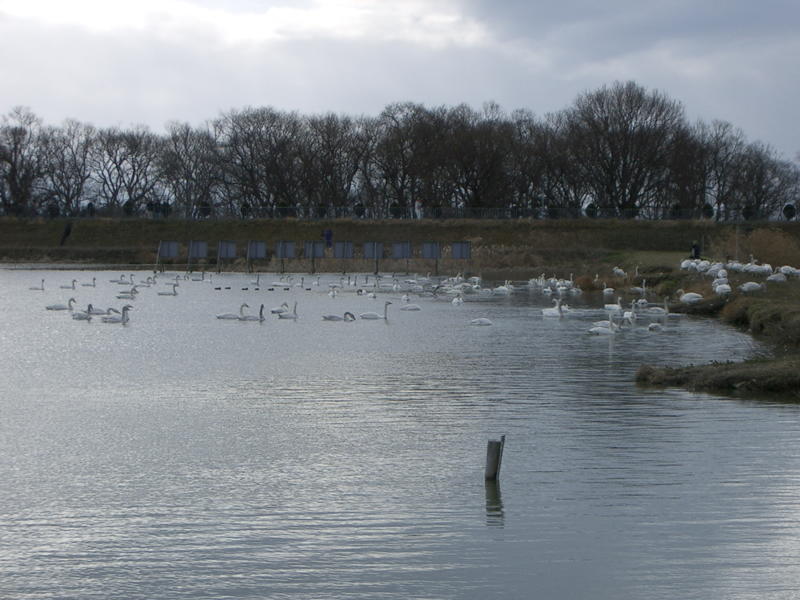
x,y
494,504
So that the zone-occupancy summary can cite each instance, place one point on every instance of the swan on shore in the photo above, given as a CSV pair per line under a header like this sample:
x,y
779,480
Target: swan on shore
x,y
67,306
372,316
234,316
752,286
688,298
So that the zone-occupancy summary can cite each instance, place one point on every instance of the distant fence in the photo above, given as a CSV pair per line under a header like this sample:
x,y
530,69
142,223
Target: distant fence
x,y
321,213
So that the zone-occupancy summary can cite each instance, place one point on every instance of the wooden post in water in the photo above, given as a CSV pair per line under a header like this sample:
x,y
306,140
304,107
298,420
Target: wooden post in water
x,y
494,456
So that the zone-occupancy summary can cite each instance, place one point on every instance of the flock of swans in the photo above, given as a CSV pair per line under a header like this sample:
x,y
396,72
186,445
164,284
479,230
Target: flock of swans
x,y
718,273
128,288
412,292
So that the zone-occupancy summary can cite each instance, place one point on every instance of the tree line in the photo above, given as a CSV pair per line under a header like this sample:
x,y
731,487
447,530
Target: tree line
x,y
619,151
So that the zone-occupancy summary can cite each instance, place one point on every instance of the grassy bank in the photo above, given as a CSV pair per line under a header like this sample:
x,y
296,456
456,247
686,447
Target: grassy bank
x,y
500,249
772,316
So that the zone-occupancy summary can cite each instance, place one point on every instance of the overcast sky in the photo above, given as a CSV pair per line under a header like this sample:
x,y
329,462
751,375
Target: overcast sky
x,y
120,62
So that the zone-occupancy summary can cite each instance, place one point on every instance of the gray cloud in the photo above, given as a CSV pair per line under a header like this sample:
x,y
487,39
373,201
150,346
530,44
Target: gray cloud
x,y
732,61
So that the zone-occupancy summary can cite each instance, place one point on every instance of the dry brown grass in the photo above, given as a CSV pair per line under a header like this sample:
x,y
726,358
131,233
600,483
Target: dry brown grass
x,y
775,245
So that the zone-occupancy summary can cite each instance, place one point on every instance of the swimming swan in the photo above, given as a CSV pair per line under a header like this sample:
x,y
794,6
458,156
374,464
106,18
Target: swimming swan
x,y
555,311
234,316
69,287
174,291
289,315
372,316
67,306
83,316
280,309
260,316
347,317
481,322
118,318
39,288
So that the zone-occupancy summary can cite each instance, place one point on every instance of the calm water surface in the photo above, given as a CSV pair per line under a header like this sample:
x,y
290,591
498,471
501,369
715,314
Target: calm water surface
x,y
186,456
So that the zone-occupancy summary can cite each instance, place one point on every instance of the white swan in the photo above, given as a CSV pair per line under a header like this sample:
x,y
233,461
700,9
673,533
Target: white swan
x,y
93,284
83,316
100,311
609,330
289,315
118,318
69,287
67,306
257,280
481,322
347,317
689,298
655,326
614,307
234,316
371,316
260,316
128,295
39,288
457,301
752,286
174,291
630,315
280,309
555,311
410,306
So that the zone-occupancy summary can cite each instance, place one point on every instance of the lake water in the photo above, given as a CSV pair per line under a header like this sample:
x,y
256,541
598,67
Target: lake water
x,y
186,456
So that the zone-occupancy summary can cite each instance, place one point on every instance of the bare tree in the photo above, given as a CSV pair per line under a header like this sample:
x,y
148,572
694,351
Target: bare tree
x,y
190,169
764,183
259,151
21,160
332,153
67,154
126,168
725,146
623,136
